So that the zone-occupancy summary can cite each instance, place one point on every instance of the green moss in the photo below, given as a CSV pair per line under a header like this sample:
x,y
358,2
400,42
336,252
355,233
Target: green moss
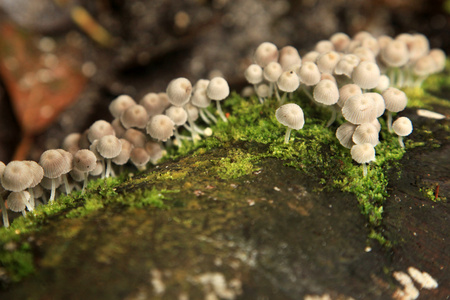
x,y
236,164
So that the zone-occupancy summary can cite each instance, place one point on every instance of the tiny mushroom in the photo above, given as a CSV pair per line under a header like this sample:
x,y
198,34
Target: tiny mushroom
x,y
291,116
265,53
109,147
120,104
54,164
98,129
160,127
366,75
135,116
85,161
218,90
359,109
288,82
344,134
402,127
363,154
395,101
179,91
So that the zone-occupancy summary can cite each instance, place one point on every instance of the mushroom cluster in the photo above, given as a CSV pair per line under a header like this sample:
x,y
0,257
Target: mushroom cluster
x,y
357,77
136,135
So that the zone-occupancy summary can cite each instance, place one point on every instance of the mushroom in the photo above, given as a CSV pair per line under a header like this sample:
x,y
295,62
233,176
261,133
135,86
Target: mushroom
x,y
364,54
98,129
19,201
54,165
120,104
153,103
327,62
135,137
291,116
326,92
155,151
363,154
359,109
340,41
71,142
265,53
68,157
271,73
288,82
366,75
380,105
218,90
179,116
346,65
160,127
38,173
395,101
348,91
119,130
109,147
17,177
134,116
124,154
366,133
383,83
262,91
402,127
395,53
202,102
85,161
254,74
139,157
344,134
289,58
324,46
179,91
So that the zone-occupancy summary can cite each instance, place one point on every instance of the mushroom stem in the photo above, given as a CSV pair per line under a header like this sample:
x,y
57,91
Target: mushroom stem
x,y
287,135
66,184
53,192
210,115
85,182
203,116
24,199
177,138
283,98
332,118
108,168
364,169
389,121
4,212
103,169
277,94
32,203
400,140
307,93
221,114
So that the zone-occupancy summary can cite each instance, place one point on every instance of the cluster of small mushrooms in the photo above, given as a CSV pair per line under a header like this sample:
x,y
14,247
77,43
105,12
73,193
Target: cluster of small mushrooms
x,y
356,77
136,134
341,73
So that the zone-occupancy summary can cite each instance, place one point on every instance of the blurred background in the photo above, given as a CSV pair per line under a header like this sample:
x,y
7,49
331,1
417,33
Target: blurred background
x,y
63,61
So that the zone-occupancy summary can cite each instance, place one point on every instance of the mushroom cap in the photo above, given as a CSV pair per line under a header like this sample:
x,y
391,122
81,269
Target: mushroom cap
x,y
359,109
383,83
93,148
363,153
272,71
395,53
344,134
326,92
16,202
366,133
153,104
289,58
364,54
179,91
160,127
36,170
98,169
346,65
262,90
424,66
218,89
310,56
155,150
290,115
371,43
254,74
134,116
2,168
84,160
361,35
71,142
177,114
418,46
164,99
340,41
265,53
324,46
380,106
326,62
366,75
109,146
402,126
203,83
439,58
348,91
68,157
98,129
77,175
394,99
383,40
118,128
84,142
199,98
309,73
288,81
192,112
139,157
16,176
124,154
46,182
54,163
120,104
135,137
